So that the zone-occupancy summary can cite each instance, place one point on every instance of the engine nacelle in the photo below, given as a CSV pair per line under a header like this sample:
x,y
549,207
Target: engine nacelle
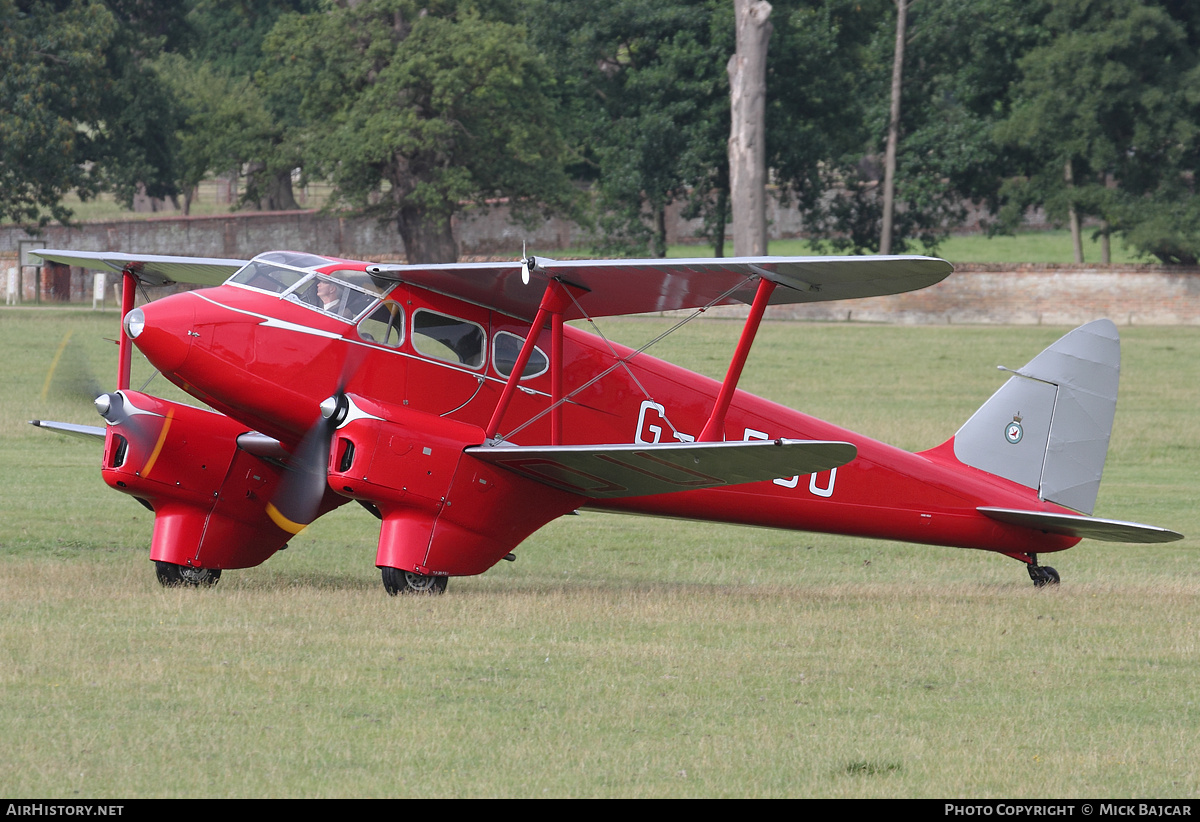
x,y
208,496
444,513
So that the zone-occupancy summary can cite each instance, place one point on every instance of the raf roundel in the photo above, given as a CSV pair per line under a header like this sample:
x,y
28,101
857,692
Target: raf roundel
x,y
1014,432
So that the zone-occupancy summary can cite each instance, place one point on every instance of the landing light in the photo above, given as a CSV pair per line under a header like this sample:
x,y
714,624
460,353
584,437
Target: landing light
x,y
135,322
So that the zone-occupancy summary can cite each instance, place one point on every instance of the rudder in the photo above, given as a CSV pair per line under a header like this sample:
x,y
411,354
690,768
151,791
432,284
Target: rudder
x,y
1048,427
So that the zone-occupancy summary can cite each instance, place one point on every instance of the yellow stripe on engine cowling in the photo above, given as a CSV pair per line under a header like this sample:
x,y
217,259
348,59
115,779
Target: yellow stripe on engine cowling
x,y
283,522
162,438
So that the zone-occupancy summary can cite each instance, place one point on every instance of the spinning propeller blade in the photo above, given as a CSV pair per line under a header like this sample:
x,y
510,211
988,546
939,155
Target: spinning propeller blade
x,y
70,376
297,501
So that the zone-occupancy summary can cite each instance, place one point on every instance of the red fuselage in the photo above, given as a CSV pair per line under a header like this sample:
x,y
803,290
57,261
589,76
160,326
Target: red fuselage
x,y
268,362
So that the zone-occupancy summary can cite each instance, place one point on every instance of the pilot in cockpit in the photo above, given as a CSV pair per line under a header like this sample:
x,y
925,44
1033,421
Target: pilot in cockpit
x,y
330,296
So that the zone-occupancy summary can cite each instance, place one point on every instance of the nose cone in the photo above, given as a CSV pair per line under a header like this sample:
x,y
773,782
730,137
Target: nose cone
x,y
163,330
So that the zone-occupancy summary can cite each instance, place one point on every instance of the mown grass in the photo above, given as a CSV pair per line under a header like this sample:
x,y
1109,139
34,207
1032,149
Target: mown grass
x,y
617,656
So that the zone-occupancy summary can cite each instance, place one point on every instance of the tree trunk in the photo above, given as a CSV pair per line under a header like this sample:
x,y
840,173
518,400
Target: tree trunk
x,y
722,210
269,192
893,138
280,196
427,240
1073,215
659,242
748,135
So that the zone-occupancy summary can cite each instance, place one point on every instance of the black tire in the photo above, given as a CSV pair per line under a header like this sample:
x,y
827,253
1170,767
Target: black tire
x,y
396,582
171,575
1043,575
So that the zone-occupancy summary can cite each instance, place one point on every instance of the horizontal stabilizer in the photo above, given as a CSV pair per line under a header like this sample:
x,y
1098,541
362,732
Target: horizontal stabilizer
x,y
1074,525
86,432
152,269
614,471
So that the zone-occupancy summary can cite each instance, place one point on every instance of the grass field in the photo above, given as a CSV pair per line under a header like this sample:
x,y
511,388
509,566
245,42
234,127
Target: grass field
x,y
617,656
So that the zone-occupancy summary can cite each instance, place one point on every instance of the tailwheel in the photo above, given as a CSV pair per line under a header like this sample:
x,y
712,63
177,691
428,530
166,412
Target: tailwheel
x,y
171,575
1042,575
396,582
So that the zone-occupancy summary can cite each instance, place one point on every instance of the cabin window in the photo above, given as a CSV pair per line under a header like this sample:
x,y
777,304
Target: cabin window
x,y
448,338
266,276
506,348
384,325
361,280
333,297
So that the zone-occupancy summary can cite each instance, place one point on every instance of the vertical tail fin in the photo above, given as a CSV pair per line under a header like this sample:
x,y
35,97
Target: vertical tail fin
x,y
1048,427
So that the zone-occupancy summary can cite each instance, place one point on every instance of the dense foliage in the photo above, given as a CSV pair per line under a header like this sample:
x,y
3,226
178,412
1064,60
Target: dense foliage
x,y
414,109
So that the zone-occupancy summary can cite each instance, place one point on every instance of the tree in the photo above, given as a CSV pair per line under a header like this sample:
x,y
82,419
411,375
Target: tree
x,y
646,101
647,96
748,136
415,110
226,125
819,104
893,137
959,62
1108,119
234,124
80,107
52,80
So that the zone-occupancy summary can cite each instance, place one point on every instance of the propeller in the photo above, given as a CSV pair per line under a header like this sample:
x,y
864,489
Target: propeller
x,y
70,376
298,499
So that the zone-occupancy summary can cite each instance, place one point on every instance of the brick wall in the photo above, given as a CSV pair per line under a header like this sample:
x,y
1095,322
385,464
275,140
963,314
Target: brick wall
x,y
1030,295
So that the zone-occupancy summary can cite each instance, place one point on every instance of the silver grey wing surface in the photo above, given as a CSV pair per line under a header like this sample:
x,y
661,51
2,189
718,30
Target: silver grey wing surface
x,y
152,269
86,432
1048,427
1073,525
604,288
614,471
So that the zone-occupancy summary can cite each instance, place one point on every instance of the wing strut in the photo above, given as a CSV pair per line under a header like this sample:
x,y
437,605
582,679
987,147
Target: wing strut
x,y
555,300
714,429
124,347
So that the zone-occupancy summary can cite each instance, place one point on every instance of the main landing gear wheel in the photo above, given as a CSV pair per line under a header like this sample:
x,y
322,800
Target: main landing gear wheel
x,y
1042,575
171,575
396,581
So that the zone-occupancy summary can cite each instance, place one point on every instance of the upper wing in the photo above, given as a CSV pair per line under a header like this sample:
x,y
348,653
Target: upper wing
x,y
151,269
614,471
615,287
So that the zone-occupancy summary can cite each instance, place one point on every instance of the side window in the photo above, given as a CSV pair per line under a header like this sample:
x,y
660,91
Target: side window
x,y
505,349
384,325
448,338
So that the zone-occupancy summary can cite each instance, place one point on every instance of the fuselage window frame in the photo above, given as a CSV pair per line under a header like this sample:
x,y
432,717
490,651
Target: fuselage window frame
x,y
388,328
445,350
506,371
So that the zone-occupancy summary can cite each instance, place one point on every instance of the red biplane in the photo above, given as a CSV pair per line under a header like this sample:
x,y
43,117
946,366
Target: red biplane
x,y
455,404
